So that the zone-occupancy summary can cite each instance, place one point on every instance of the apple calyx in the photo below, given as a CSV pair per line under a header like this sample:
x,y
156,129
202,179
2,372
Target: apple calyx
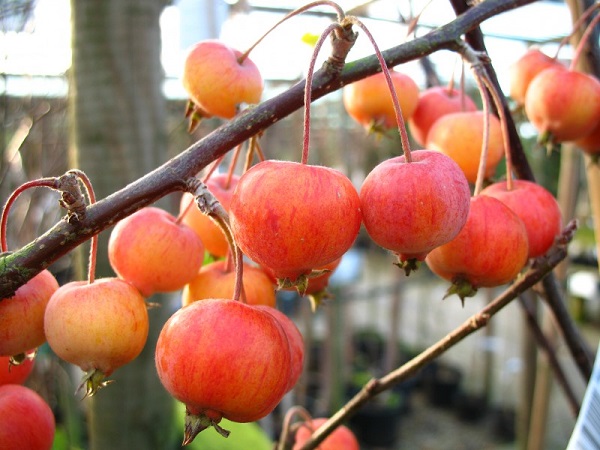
x,y
17,360
93,380
409,265
316,299
300,283
463,288
195,423
194,114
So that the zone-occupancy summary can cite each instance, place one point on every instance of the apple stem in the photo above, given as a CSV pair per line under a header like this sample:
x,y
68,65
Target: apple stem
x,y
287,424
42,182
252,148
71,199
232,164
397,109
487,89
208,204
585,37
580,20
504,125
206,177
89,190
338,9
308,88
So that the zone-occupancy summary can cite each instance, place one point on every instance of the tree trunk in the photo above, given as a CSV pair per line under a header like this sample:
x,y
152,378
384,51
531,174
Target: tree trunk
x,y
119,134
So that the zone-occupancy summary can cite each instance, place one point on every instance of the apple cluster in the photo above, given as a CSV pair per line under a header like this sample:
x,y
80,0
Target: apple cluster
x,y
562,103
293,222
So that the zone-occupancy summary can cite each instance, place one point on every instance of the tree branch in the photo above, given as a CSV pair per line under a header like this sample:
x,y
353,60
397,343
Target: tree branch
x,y
20,266
540,268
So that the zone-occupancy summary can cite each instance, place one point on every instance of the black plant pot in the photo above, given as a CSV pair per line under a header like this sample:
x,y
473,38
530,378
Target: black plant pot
x,y
443,384
376,425
471,407
504,424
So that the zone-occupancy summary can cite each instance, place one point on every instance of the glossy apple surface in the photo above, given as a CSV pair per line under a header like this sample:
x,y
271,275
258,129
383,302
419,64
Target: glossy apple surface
x,y
590,143
460,136
411,208
154,252
216,280
564,104
524,69
217,82
223,359
15,373
215,243
434,103
27,420
342,438
369,101
97,326
489,251
295,340
536,207
293,218
22,315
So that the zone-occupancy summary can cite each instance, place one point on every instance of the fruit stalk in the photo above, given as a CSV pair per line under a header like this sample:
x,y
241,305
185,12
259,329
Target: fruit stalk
x,y
384,67
209,205
21,265
346,35
287,424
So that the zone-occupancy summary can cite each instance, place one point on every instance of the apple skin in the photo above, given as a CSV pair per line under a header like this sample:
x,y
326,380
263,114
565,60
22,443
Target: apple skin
x,y
536,207
153,252
22,315
563,103
292,218
411,208
434,103
223,358
590,143
211,235
215,281
460,135
315,284
97,326
342,438
524,69
369,101
217,82
296,341
15,374
27,420
489,251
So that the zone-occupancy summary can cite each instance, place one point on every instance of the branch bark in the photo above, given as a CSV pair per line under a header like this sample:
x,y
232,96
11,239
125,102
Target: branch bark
x,y
20,266
540,268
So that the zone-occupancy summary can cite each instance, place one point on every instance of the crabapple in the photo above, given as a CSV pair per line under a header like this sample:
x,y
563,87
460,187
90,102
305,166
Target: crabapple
x,y
22,315
536,207
217,81
154,252
292,218
410,208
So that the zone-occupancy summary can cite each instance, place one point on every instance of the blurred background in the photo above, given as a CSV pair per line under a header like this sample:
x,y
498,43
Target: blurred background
x,y
96,85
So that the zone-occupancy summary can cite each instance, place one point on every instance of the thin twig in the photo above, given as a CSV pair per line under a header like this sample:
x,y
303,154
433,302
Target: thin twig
x,y
549,352
539,268
20,266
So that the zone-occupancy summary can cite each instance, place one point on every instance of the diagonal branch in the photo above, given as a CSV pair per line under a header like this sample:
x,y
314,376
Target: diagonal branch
x,y
20,266
539,269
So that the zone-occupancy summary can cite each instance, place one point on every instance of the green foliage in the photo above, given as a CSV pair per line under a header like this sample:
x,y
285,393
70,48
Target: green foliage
x,y
243,436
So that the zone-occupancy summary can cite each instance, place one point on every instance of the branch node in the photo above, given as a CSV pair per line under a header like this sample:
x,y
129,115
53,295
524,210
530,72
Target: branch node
x,y
342,41
71,197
